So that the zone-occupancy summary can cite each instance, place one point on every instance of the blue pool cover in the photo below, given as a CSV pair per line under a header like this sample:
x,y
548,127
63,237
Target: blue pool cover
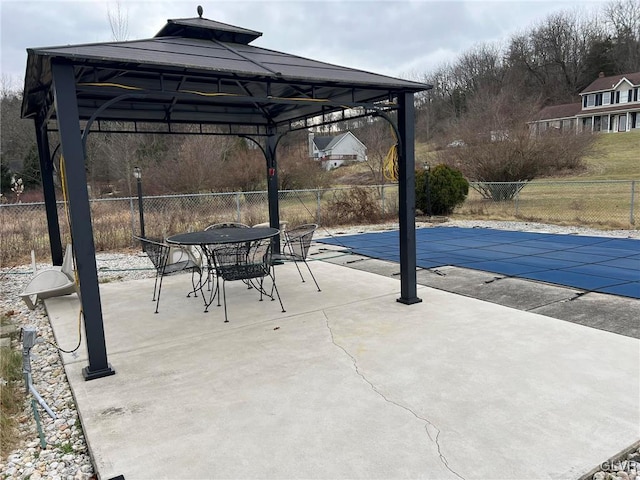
x,y
598,264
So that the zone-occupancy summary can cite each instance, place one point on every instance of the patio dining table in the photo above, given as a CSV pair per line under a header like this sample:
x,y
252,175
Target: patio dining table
x,y
209,240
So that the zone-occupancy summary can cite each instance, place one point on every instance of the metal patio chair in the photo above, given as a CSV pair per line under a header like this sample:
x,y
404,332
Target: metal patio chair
x,y
53,282
296,247
210,273
168,260
227,225
283,225
249,263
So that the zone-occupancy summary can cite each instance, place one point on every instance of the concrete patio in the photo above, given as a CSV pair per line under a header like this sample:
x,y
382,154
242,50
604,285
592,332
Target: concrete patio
x,y
347,383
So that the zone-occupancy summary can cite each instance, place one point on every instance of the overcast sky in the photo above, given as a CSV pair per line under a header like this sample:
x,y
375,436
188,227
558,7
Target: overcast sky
x,y
405,38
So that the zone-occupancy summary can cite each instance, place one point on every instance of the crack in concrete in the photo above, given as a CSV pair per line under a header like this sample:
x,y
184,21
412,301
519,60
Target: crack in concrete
x,y
575,296
427,422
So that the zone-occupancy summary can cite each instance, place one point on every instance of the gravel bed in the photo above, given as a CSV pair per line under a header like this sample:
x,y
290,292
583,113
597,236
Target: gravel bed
x,y
66,456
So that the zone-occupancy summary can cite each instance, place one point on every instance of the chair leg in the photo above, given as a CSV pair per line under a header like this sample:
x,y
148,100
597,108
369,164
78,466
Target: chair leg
x,y
275,287
159,290
224,300
194,285
312,276
155,288
294,257
295,262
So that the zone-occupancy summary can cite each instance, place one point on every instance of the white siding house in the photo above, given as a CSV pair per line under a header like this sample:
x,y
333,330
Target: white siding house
x,y
333,151
609,104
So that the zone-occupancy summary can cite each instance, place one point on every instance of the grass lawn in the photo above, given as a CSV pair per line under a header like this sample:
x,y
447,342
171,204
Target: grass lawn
x,y
618,158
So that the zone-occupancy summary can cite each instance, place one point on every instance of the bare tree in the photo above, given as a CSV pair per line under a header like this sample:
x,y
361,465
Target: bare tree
x,y
553,56
497,145
623,19
118,21
17,137
378,136
199,164
297,170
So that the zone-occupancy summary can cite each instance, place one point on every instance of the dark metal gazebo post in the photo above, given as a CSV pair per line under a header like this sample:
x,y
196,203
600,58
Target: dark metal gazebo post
x,y
272,185
66,106
407,199
137,173
48,188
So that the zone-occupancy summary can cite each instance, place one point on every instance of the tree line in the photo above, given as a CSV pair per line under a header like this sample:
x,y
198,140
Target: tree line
x,y
550,63
487,91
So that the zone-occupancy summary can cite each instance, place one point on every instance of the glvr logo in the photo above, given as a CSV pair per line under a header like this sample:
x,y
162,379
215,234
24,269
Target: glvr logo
x,y
622,465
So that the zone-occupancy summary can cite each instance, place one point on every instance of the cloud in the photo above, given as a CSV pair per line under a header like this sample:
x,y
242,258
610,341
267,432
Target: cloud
x,y
396,38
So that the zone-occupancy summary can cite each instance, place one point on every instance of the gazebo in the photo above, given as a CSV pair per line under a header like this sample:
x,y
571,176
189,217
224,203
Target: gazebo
x,y
206,74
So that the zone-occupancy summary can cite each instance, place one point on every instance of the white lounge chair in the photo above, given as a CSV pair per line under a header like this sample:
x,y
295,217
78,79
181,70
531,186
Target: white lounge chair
x,y
53,282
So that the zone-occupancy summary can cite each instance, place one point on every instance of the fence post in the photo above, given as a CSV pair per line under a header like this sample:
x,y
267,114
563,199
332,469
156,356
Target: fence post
x,y
517,201
633,191
133,221
238,217
382,194
318,206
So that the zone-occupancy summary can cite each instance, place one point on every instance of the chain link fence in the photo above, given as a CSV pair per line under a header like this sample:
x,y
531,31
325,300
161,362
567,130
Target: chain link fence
x,y
23,226
598,204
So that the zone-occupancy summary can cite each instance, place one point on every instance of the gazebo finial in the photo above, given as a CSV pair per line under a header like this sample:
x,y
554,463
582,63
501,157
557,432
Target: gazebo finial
x,y
200,11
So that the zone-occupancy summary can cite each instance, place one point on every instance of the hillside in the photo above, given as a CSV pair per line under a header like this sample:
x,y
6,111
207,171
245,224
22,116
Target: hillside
x,y
617,158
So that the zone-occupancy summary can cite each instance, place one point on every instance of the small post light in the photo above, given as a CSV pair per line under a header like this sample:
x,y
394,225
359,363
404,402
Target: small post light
x,y
137,173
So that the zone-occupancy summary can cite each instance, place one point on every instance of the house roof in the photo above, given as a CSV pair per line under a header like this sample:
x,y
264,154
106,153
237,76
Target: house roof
x,y
322,143
607,83
621,108
553,112
328,142
202,72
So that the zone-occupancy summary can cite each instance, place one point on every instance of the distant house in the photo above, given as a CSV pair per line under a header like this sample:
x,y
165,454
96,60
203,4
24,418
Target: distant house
x,y
609,104
333,151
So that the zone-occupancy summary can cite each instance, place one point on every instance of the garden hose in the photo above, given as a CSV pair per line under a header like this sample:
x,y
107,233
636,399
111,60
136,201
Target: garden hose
x,y
390,164
65,201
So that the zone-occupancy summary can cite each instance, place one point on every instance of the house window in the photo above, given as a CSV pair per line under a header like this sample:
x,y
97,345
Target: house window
x,y
634,120
622,123
617,97
635,94
591,100
629,95
584,101
598,99
623,97
606,98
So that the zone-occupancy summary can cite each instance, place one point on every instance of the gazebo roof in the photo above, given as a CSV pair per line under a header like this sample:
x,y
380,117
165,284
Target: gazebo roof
x,y
203,72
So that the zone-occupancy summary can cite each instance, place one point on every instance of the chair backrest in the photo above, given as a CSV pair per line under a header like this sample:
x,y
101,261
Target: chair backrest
x,y
227,225
230,254
298,239
243,261
283,225
67,263
156,250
